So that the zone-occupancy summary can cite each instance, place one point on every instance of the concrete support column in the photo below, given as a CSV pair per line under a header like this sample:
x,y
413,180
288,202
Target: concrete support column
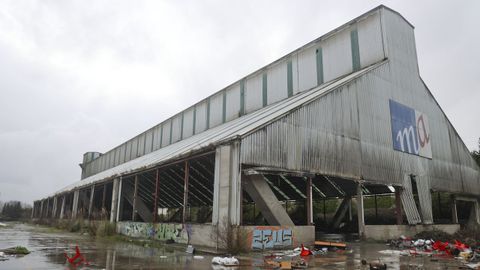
x,y
119,200
76,195
398,206
454,210
135,195
185,191
113,208
32,215
227,185
41,209
54,211
62,208
360,212
90,203
309,202
264,198
155,196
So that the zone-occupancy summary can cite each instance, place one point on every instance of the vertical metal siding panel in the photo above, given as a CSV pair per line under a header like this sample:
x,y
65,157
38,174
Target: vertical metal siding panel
x,y
425,198
253,93
216,109
176,128
122,154
119,154
337,55
307,69
148,141
277,83
400,41
294,59
319,137
166,132
188,123
201,117
408,202
133,155
141,145
233,102
157,143
128,150
370,40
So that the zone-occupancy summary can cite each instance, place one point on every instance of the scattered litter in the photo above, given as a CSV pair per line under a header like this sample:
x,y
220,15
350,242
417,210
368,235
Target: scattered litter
x,y
285,265
3,224
190,249
226,261
198,257
300,264
326,244
162,257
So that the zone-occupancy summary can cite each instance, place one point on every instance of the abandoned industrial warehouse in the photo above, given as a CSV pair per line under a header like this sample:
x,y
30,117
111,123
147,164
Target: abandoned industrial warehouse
x,y
341,135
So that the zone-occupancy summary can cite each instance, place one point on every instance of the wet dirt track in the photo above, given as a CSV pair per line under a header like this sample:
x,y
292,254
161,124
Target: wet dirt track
x,y
48,248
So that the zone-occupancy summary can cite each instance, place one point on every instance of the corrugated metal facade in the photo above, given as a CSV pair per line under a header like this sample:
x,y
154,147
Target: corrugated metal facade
x,y
347,133
325,59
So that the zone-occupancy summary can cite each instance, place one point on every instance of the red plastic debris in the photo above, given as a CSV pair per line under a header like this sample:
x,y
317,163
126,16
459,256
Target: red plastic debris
x,y
305,252
77,259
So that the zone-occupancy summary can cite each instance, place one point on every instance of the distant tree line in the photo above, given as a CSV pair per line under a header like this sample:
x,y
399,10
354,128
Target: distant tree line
x,y
14,210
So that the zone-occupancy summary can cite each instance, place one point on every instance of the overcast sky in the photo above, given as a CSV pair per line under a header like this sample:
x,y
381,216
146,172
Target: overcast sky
x,y
78,76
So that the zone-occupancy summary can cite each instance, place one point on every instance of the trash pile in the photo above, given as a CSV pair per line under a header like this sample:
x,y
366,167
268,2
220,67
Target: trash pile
x,y
470,255
299,257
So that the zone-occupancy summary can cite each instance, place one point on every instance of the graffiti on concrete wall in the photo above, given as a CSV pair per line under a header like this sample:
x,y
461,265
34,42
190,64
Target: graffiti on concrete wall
x,y
271,237
163,231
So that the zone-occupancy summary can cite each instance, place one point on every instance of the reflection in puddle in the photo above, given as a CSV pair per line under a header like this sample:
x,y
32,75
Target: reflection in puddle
x,y
48,248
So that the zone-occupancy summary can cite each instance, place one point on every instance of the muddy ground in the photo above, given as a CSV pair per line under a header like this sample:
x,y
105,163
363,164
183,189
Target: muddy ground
x,y
47,248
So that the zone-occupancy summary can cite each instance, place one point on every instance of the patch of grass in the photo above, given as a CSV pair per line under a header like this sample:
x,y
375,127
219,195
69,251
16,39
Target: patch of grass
x,y
18,250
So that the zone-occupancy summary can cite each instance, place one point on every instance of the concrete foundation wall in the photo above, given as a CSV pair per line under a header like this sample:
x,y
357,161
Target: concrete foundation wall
x,y
204,235
385,232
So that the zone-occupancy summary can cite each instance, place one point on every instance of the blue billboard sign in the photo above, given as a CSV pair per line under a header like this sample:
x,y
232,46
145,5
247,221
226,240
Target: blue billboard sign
x,y
410,130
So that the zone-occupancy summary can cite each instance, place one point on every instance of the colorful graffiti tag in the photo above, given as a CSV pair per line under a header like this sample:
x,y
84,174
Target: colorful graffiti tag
x,y
410,130
270,237
163,231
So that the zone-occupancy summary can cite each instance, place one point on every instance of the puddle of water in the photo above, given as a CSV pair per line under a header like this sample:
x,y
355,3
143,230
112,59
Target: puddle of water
x,y
48,253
